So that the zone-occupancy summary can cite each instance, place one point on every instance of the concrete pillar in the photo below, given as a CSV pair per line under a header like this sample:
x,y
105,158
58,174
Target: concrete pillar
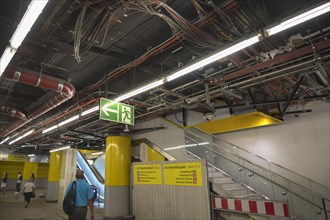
x,y
29,168
68,170
54,176
117,177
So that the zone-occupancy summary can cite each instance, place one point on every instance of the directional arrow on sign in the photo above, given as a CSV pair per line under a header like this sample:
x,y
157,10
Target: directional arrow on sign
x,y
106,109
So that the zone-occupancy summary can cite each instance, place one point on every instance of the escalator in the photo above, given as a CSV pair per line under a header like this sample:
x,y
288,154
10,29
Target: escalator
x,y
92,175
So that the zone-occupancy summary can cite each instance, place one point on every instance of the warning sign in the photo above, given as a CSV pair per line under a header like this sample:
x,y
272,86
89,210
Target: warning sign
x,y
147,174
183,174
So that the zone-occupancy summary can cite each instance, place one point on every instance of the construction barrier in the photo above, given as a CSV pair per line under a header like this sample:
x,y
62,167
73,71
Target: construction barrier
x,y
258,207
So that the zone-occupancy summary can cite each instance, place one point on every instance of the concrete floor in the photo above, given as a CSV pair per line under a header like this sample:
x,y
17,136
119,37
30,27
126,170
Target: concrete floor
x,y
12,208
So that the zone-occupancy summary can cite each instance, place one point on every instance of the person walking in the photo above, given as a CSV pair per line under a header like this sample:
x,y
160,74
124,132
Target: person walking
x,y
4,183
84,196
27,191
18,182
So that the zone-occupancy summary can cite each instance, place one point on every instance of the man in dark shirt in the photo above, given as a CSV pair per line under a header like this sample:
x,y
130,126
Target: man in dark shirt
x,y
84,195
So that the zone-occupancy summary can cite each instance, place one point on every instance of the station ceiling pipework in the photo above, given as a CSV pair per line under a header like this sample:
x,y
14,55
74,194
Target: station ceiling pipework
x,y
79,51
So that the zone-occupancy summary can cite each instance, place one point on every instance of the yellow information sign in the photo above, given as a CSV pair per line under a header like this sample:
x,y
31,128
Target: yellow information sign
x,y
183,174
147,174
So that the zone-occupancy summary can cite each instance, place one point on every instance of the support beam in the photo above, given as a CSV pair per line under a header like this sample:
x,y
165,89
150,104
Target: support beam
x,y
294,91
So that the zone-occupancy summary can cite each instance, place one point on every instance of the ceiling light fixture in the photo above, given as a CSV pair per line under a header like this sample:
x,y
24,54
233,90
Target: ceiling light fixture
x,y
31,155
73,118
217,56
140,90
49,129
7,55
28,133
91,110
6,139
17,139
300,19
32,13
61,148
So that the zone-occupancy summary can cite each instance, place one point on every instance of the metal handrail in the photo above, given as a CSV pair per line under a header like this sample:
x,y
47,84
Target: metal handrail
x,y
279,185
268,161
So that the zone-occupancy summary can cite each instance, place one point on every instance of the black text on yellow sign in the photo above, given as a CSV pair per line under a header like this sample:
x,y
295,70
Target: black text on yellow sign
x,y
147,174
183,174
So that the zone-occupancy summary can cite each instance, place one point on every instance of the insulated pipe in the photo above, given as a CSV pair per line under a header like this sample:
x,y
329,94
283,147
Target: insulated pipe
x,y
64,89
14,112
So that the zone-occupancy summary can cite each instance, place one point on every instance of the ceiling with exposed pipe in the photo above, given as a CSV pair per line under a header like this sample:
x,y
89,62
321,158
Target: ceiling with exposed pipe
x,y
81,50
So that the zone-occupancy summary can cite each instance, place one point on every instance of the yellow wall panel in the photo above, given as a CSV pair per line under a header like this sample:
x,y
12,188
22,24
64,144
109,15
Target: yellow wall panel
x,y
154,155
239,122
29,168
12,168
42,170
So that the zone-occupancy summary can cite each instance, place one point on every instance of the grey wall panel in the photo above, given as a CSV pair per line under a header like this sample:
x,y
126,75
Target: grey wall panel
x,y
171,202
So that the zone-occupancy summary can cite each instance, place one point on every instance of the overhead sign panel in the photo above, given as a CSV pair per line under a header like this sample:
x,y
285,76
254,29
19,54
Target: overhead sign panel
x,y
116,112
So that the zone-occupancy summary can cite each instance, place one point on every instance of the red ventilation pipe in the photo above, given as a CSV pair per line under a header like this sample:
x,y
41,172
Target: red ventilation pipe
x,y
64,89
14,112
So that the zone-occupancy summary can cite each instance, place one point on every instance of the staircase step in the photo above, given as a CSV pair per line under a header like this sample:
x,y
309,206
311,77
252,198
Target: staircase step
x,y
229,186
240,192
220,180
213,174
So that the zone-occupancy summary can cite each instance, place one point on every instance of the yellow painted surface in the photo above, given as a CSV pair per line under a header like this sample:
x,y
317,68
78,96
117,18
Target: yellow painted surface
x,y
54,170
29,168
239,122
117,161
154,155
145,174
183,174
12,168
42,170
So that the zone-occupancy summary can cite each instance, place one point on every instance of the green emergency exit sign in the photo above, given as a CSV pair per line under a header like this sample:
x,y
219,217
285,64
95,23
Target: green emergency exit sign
x,y
116,112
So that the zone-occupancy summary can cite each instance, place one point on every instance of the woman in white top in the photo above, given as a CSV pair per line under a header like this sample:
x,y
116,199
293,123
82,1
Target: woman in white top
x,y
28,190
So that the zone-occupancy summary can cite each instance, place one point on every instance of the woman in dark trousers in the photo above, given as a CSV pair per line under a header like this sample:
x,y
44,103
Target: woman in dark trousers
x,y
4,183
18,182
28,190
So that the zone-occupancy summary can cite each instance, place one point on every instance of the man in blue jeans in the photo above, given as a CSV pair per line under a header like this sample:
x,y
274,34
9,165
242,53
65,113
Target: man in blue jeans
x,y
84,195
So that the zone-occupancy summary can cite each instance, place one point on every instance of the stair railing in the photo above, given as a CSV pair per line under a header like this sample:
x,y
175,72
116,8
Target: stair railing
x,y
301,199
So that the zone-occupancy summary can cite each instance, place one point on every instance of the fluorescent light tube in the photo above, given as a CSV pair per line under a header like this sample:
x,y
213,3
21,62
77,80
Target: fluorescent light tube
x,y
68,120
17,139
32,13
91,110
31,155
300,19
219,55
6,139
58,149
203,143
140,90
28,133
6,57
49,129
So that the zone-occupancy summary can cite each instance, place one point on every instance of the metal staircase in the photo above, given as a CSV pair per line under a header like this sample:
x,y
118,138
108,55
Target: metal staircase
x,y
237,173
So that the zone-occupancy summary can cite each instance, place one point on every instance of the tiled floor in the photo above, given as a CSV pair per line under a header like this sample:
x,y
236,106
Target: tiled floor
x,y
12,208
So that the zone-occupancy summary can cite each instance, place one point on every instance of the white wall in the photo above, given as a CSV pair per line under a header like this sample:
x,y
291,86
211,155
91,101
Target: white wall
x,y
299,143
169,137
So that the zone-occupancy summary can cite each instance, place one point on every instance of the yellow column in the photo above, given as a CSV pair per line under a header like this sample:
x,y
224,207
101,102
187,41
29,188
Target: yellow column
x,y
55,166
117,176
29,168
54,176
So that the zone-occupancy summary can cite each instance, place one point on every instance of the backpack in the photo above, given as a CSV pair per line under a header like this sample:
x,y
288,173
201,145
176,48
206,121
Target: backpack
x,y
69,202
